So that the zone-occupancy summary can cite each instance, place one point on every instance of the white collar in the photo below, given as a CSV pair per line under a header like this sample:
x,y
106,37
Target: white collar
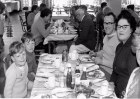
x,y
112,34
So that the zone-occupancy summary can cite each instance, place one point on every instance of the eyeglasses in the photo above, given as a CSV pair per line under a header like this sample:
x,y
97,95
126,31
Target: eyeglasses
x,y
124,27
108,23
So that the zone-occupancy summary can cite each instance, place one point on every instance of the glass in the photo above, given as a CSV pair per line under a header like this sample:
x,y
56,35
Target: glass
x,y
124,27
108,23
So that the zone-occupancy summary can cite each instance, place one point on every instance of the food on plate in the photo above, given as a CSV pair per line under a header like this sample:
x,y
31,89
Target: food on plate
x,y
92,68
86,59
83,89
95,74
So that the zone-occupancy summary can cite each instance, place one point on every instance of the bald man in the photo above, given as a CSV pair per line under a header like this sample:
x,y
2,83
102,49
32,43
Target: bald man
x,y
86,40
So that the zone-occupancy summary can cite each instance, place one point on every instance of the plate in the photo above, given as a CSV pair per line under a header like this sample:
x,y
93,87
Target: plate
x,y
46,74
85,59
40,96
48,61
60,90
95,74
43,70
99,91
41,79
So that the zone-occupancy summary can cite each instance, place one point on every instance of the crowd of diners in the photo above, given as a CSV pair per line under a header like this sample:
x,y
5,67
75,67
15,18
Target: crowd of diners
x,y
119,38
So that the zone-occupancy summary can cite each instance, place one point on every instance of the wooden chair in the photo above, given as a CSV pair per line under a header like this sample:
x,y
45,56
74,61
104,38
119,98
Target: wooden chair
x,y
23,24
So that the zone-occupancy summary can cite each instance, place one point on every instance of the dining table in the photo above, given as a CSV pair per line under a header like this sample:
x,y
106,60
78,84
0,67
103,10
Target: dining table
x,y
60,34
50,80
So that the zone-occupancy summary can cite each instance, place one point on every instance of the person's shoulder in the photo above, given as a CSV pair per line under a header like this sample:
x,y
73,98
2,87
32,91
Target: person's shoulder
x,y
11,70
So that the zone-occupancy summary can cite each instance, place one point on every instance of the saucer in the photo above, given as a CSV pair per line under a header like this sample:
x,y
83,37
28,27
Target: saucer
x,y
104,95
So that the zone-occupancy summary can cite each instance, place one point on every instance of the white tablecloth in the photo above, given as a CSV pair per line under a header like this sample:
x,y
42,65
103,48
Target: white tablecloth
x,y
40,87
61,37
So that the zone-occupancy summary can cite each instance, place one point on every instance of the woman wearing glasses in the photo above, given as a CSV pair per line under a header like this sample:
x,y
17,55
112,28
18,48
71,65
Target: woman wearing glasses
x,y
125,60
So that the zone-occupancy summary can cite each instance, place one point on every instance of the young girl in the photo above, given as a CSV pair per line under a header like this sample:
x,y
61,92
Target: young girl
x,y
17,82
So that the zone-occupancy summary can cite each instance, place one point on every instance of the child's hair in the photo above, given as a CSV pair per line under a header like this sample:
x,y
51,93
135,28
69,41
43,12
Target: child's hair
x,y
16,47
26,37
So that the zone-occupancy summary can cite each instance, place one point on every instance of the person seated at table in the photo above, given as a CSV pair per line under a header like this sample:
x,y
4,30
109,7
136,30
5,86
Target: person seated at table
x,y
41,7
124,61
17,84
106,56
86,39
29,43
85,8
38,28
30,17
73,21
133,88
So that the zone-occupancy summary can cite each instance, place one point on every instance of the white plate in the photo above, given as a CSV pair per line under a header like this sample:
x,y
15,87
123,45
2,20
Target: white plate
x,y
42,70
60,90
40,96
100,93
41,79
99,74
46,74
85,59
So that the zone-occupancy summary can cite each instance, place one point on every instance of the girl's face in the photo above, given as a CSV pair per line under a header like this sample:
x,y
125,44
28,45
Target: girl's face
x,y
19,58
29,46
123,30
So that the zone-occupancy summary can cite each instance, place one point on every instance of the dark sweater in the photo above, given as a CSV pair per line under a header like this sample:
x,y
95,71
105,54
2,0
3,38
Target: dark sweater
x,y
124,63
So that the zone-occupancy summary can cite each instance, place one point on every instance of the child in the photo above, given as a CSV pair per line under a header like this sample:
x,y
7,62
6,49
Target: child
x,y
28,41
17,82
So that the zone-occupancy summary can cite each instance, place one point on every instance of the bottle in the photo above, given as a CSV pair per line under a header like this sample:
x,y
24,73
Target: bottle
x,y
77,70
64,56
69,78
84,74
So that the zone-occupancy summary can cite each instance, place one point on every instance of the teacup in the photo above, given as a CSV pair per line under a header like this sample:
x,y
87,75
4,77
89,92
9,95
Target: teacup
x,y
51,81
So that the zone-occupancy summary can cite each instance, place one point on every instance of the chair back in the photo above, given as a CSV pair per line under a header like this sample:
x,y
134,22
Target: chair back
x,y
23,24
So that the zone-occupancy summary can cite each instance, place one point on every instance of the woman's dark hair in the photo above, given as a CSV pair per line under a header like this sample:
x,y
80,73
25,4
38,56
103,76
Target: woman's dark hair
x,y
34,7
125,14
45,12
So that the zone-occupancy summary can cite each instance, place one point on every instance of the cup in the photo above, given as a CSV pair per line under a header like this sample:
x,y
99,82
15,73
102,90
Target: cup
x,y
57,62
104,88
62,81
51,81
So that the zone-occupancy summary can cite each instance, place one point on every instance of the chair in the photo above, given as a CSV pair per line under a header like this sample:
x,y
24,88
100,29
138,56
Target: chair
x,y
23,24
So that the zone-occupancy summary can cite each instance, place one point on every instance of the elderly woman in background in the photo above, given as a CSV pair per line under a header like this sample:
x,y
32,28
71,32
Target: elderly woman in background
x,y
125,61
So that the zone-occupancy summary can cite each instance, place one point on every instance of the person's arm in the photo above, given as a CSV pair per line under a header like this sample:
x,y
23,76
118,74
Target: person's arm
x,y
1,27
34,65
132,62
10,81
43,31
30,19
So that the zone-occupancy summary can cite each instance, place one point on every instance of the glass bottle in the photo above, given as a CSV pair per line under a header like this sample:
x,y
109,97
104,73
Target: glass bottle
x,y
84,74
69,78
77,70
64,56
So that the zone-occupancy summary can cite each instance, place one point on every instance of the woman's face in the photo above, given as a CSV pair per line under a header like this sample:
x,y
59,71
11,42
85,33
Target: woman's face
x,y
123,30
